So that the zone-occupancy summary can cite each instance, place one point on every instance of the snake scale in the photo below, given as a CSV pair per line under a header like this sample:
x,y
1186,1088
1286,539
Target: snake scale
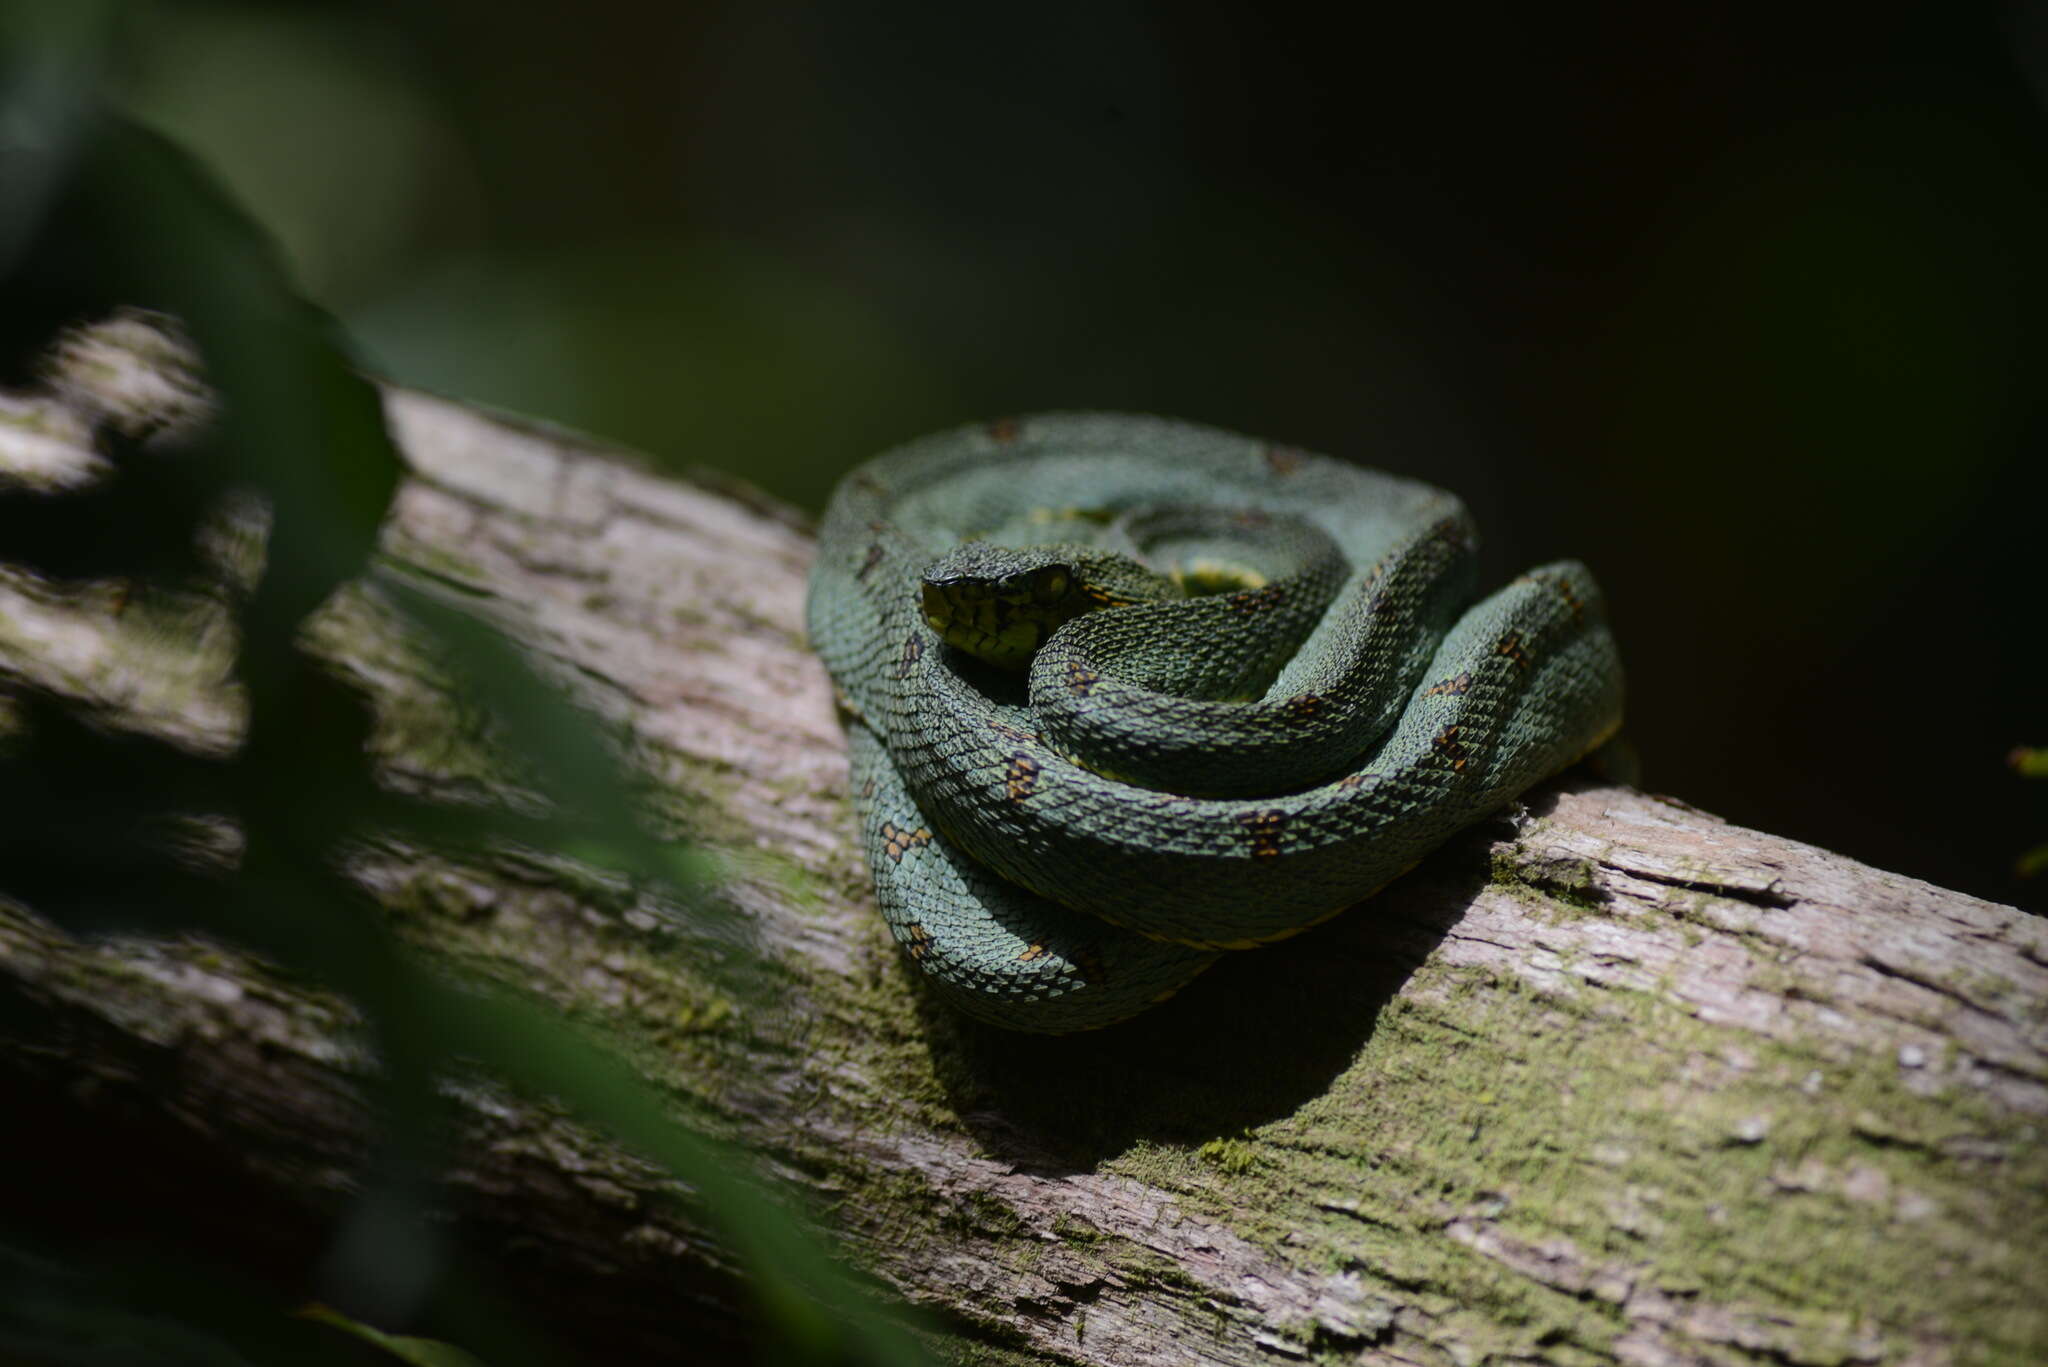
x,y
1123,693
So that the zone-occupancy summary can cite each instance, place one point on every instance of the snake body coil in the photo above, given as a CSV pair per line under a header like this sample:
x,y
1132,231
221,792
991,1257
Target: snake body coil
x,y
1195,761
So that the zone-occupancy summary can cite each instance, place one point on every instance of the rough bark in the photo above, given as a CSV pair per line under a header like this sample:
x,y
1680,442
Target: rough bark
x,y
1608,1080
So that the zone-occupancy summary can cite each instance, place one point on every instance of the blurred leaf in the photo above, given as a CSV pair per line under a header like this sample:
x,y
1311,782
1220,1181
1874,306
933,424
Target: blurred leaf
x,y
809,1297
115,830
560,742
417,1351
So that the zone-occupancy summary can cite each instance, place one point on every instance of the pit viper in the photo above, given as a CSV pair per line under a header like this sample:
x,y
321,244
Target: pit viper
x,y
1124,693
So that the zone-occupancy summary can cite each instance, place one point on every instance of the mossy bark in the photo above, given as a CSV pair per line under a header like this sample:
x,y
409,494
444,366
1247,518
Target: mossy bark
x,y
1607,1080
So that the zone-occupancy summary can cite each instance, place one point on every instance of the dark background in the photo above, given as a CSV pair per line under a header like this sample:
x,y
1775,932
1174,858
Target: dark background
x,y
1738,305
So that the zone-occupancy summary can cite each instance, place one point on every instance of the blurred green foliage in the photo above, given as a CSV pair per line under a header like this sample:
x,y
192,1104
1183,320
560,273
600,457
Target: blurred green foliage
x,y
97,212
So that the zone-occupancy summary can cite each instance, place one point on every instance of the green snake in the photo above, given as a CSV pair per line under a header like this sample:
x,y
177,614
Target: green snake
x,y
1123,693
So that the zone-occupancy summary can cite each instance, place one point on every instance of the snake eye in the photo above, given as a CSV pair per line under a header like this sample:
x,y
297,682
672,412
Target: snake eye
x,y
1052,583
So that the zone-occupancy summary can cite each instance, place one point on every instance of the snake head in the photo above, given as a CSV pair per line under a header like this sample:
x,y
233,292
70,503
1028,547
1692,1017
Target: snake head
x,y
998,604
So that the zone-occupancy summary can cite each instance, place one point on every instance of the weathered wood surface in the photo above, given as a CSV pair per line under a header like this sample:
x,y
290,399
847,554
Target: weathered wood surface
x,y
1606,1080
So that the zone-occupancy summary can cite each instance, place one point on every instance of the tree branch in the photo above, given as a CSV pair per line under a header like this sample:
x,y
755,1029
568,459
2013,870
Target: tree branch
x,y
1606,1081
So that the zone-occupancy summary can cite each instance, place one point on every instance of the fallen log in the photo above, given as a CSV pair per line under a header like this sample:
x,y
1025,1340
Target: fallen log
x,y
1605,1080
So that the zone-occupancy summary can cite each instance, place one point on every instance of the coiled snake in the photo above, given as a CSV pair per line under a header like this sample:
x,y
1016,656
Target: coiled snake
x,y
1125,692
